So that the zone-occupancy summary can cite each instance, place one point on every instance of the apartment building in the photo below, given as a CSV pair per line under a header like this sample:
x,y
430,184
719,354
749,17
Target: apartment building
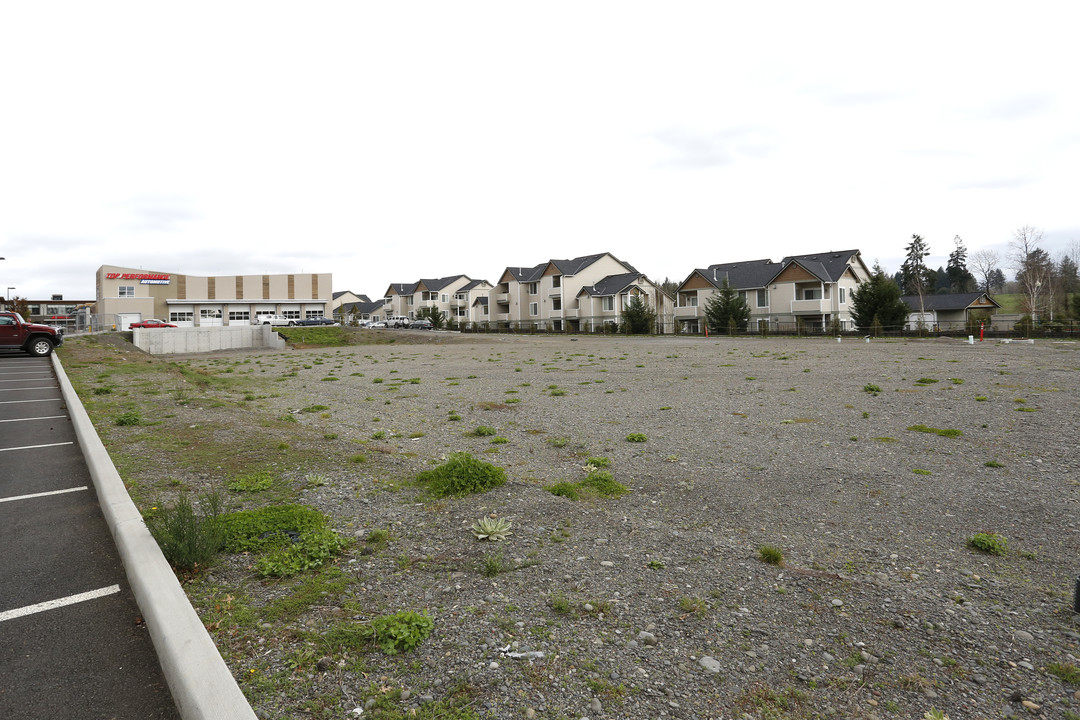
x,y
453,296
581,294
813,289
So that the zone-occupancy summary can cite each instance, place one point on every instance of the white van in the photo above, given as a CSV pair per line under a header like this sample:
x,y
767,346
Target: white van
x,y
397,321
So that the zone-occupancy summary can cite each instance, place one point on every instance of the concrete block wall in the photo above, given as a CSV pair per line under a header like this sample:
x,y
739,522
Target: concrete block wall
x,y
167,341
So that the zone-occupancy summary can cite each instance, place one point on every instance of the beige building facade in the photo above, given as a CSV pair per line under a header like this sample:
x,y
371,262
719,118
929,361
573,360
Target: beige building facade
x,y
127,295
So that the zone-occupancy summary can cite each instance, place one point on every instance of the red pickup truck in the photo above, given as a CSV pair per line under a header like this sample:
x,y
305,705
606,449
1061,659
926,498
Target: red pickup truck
x,y
17,334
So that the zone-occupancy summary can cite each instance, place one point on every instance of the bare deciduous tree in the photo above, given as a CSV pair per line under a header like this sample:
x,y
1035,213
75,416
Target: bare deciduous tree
x,y
1032,266
984,263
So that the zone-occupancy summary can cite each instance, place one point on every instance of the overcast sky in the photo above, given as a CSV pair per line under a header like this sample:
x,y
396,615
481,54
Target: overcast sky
x,y
389,141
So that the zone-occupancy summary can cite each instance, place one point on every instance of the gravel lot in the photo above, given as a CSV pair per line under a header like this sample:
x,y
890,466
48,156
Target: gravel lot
x,y
656,603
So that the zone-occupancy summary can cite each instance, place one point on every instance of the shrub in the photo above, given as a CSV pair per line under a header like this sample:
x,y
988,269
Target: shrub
x,y
559,604
499,440
603,483
493,565
636,437
401,632
994,464
599,462
944,432
252,482
771,554
189,540
871,388
288,538
564,489
461,475
131,417
991,543
484,431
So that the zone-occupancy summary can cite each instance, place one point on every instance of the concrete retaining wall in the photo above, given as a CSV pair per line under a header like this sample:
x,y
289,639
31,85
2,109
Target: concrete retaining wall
x,y
166,341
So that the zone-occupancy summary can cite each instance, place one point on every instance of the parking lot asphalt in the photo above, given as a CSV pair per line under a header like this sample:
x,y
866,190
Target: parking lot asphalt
x,y
72,640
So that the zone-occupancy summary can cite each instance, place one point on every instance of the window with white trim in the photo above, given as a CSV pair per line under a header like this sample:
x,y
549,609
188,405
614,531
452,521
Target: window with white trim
x,y
556,281
556,303
762,298
239,315
842,295
811,294
126,291
313,314
291,314
182,316
483,309
209,313
534,308
607,303
533,288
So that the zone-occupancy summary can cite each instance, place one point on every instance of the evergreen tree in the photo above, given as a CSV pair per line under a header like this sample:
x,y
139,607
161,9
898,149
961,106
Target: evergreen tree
x,y
960,278
433,314
726,311
877,303
916,279
996,280
637,317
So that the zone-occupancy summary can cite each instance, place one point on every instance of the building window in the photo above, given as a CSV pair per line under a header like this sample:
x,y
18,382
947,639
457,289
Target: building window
x,y
483,309
239,315
742,295
127,291
556,281
533,288
688,299
556,303
461,312
842,296
408,300
182,316
313,314
534,309
607,303
811,294
291,314
209,313
762,298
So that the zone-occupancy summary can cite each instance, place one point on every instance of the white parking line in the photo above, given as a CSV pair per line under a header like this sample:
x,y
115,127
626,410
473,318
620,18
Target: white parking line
x,y
16,402
58,603
43,494
44,387
35,447
43,417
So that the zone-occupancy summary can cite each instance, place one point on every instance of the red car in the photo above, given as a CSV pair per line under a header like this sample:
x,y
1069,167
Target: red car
x,y
151,323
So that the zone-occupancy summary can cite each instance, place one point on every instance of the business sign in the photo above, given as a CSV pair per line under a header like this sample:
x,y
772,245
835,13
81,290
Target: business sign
x,y
143,278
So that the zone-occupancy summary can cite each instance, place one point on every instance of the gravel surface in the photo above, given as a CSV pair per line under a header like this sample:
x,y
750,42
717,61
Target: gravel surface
x,y
656,603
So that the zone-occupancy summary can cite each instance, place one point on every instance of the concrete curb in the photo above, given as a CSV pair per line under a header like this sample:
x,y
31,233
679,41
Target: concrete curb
x,y
201,684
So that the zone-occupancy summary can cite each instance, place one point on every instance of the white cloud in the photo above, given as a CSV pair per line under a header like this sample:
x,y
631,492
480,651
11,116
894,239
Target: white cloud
x,y
386,142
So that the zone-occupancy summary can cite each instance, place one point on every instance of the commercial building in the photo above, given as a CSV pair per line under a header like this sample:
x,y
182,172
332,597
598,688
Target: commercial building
x,y
127,295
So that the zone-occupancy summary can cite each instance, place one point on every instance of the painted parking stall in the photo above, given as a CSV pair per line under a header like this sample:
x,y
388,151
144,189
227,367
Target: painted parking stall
x,y
71,635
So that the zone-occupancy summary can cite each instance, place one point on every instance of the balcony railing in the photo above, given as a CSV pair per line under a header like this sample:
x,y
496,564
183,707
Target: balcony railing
x,y
502,298
687,311
809,306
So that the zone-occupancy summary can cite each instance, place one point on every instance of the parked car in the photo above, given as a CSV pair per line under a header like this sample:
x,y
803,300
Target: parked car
x,y
272,320
421,324
16,333
316,321
398,321
377,325
151,323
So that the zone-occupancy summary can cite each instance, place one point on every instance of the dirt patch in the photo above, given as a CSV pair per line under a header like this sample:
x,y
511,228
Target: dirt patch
x,y
655,603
